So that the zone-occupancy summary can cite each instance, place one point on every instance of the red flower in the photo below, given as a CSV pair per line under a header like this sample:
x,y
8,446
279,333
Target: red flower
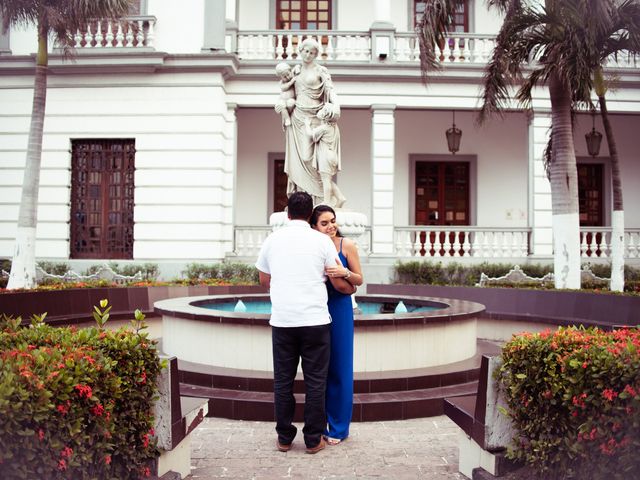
x,y
84,391
63,409
66,452
62,464
107,459
97,410
41,434
609,394
630,390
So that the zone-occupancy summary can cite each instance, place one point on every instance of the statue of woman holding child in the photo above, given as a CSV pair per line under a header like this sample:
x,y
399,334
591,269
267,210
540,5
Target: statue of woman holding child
x,y
309,108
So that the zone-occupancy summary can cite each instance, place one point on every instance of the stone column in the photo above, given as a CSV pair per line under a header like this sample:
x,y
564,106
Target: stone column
x,y
382,163
231,27
230,151
214,25
382,32
382,11
539,187
4,40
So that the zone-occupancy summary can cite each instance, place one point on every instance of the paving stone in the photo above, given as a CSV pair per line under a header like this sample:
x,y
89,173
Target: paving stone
x,y
398,450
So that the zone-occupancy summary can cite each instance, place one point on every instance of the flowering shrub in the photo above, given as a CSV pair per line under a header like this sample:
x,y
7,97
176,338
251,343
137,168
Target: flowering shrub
x,y
76,403
574,399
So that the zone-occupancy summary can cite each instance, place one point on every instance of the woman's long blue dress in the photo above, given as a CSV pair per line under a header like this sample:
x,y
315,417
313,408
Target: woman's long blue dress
x,y
339,398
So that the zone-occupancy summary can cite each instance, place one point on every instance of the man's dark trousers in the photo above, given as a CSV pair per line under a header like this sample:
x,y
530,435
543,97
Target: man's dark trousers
x,y
313,345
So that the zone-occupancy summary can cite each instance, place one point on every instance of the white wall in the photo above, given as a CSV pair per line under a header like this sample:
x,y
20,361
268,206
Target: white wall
x,y
360,14
179,25
483,19
183,193
501,150
23,40
254,15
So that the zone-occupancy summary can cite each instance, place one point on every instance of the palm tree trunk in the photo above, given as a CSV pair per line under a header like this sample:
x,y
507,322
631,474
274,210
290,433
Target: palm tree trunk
x,y
564,189
23,266
617,217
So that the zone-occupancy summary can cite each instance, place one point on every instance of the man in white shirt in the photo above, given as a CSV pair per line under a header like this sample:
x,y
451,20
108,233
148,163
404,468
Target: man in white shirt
x,y
292,263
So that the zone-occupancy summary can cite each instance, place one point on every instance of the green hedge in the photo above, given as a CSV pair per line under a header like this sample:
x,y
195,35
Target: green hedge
x,y
426,272
574,399
227,271
76,404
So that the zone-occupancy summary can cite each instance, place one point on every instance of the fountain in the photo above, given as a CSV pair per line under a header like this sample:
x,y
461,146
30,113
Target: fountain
x,y
212,331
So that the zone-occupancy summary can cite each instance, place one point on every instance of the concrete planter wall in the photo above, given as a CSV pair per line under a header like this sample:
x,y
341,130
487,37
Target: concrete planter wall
x,y
539,306
76,305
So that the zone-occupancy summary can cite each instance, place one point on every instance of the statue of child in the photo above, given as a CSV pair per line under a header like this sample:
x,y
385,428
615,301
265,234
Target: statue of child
x,y
326,136
287,100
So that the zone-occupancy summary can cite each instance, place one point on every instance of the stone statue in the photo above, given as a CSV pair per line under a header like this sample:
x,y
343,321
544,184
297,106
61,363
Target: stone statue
x,y
312,136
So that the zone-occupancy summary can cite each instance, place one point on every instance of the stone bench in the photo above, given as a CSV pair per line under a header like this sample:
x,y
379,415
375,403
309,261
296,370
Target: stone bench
x,y
175,418
485,431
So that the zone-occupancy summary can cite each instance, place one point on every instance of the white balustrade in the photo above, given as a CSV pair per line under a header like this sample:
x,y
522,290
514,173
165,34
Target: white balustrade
x,y
282,45
461,241
130,32
596,242
249,239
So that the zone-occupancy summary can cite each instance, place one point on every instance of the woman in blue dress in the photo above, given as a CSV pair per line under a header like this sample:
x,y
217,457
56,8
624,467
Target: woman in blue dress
x,y
339,397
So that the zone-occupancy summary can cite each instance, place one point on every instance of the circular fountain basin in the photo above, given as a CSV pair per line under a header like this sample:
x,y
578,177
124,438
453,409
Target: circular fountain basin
x,y
443,334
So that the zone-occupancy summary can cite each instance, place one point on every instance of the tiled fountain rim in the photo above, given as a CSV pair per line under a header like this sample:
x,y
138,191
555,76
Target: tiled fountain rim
x,y
453,309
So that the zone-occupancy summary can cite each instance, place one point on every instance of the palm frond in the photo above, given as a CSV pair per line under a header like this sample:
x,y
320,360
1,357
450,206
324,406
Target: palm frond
x,y
432,30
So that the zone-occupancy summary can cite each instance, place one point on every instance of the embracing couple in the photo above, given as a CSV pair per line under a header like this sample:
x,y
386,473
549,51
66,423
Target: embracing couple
x,y
311,272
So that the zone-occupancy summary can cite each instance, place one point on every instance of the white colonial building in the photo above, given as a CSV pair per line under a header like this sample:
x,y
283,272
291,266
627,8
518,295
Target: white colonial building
x,y
161,143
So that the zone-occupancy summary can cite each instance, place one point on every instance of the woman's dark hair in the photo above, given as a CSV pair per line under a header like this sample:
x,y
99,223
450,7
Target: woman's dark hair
x,y
299,206
319,210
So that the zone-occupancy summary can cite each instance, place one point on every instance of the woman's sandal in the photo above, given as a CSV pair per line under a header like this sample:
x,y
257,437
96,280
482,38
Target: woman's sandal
x,y
333,441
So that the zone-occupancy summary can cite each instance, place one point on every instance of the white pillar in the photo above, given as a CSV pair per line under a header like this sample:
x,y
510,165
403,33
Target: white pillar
x,y
231,7
214,25
540,210
4,40
230,151
382,163
382,11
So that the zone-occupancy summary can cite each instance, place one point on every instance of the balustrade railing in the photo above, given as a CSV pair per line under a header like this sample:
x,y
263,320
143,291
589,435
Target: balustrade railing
x,y
340,45
248,239
596,242
457,241
461,241
283,44
356,46
127,33
457,48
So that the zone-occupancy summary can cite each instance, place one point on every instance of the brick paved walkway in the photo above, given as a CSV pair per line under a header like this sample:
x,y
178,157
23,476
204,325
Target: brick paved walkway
x,y
423,448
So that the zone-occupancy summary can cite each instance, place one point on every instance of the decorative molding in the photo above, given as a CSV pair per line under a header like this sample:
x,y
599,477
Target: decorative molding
x,y
104,273
515,275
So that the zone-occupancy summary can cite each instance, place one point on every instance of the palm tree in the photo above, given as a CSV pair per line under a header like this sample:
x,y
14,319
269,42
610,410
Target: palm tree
x,y
58,20
620,36
539,43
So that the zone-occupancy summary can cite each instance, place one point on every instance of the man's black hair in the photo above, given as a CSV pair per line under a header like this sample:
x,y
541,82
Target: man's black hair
x,y
300,206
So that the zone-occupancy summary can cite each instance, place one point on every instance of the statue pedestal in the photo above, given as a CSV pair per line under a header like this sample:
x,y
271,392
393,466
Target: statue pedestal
x,y
351,224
